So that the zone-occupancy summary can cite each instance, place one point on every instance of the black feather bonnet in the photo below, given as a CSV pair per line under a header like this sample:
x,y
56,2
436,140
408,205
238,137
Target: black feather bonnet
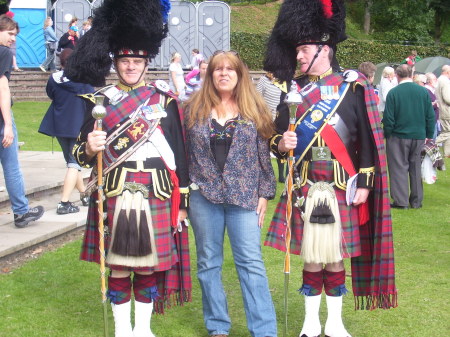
x,y
120,28
303,22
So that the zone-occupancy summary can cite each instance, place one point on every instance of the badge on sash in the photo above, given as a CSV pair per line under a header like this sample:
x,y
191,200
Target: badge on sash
x,y
316,115
162,85
320,153
350,75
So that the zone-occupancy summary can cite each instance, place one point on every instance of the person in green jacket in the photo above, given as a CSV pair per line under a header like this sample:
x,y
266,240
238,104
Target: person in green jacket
x,y
408,120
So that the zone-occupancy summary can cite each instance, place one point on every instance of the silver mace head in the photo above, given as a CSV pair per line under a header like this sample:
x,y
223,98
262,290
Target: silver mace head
x,y
99,111
293,99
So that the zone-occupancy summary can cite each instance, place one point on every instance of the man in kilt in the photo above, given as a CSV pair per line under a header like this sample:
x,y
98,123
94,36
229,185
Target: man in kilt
x,y
145,170
341,207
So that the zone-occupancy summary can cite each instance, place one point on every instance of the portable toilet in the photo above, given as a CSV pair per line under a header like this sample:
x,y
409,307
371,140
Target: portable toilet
x,y
30,47
65,10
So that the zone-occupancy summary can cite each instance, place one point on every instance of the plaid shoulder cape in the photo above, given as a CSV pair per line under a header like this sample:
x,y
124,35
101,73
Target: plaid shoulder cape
x,y
118,112
373,272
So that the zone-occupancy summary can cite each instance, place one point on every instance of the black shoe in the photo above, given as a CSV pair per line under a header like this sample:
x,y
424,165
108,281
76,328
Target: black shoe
x,y
84,199
399,207
33,214
66,208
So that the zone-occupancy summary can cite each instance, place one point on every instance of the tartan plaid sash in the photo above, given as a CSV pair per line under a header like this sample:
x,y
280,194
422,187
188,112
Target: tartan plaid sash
x,y
374,271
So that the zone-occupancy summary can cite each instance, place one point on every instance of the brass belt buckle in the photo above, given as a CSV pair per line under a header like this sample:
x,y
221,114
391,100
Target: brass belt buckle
x,y
320,153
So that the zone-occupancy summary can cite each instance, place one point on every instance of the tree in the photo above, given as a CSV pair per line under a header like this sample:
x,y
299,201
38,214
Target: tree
x,y
401,20
367,9
441,17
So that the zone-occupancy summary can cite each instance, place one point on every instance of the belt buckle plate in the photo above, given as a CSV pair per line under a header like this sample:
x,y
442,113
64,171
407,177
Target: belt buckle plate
x,y
320,153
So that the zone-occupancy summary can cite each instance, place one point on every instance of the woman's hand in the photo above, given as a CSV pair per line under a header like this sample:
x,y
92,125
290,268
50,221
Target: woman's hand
x,y
96,141
361,196
261,211
288,141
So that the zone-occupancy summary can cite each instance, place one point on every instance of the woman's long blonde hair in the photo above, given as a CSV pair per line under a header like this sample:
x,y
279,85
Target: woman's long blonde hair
x,y
47,22
250,103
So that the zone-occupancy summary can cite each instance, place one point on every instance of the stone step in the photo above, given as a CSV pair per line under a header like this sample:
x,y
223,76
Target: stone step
x,y
30,99
30,85
43,173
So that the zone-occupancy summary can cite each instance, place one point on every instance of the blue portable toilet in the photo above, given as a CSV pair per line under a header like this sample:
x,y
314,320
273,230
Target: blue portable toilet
x,y
30,15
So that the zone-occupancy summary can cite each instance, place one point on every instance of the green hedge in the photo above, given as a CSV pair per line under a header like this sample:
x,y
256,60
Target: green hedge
x,y
351,53
251,48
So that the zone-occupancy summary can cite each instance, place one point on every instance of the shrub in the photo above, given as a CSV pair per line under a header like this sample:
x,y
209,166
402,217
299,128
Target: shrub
x,y
351,53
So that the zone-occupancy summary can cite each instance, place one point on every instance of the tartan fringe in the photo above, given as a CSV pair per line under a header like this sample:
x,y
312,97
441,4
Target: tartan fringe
x,y
372,302
172,299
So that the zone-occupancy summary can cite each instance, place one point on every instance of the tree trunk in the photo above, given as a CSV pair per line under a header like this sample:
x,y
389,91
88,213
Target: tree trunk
x,y
438,25
367,9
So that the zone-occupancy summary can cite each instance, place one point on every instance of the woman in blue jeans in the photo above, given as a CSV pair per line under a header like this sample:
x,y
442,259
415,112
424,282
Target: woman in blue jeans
x,y
227,131
50,44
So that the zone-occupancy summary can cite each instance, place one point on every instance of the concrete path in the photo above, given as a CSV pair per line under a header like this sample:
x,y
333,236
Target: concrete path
x,y
43,174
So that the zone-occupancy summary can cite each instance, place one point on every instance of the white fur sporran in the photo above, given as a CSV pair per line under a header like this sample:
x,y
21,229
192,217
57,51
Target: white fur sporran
x,y
321,241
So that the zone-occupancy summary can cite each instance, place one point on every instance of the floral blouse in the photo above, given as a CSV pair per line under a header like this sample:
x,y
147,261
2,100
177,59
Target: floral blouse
x,y
247,174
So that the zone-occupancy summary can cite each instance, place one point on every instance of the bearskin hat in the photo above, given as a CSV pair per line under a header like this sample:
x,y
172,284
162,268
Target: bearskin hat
x,y
303,22
120,28
4,6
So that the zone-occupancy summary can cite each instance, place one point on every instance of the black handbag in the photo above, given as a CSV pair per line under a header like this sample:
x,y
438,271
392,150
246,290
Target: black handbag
x,y
52,45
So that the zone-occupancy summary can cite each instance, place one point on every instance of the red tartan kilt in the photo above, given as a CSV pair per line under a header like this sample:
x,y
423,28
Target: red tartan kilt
x,y
318,171
161,218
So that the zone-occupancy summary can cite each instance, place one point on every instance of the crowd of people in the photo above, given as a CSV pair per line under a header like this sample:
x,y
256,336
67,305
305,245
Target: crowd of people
x,y
68,40
197,150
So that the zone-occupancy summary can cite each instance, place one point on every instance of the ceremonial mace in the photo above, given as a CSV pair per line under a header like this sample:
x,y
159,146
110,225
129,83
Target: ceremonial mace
x,y
293,99
99,112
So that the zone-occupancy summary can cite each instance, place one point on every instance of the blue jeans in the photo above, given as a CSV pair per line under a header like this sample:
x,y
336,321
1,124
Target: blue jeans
x,y
209,222
67,146
49,61
13,176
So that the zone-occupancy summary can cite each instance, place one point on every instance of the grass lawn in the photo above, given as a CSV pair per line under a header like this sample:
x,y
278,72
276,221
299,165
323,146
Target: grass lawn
x,y
58,295
254,18
28,117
